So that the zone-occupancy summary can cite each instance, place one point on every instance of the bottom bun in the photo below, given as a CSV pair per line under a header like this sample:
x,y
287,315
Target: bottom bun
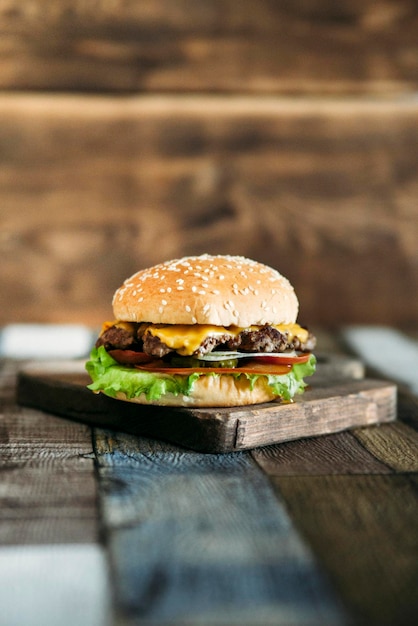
x,y
214,391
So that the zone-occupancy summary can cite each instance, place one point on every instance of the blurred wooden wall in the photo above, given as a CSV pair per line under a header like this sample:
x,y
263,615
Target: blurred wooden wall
x,y
134,132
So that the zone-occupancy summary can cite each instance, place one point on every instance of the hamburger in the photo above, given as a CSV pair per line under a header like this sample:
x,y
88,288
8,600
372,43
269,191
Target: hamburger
x,y
203,331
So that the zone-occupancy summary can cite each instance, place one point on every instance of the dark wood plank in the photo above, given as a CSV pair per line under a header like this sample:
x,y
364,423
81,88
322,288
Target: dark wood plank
x,y
48,490
332,454
94,189
40,506
374,450
364,530
320,410
396,445
364,46
408,408
201,539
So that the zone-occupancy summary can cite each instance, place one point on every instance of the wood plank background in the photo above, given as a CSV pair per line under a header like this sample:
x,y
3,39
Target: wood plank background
x,y
130,134
257,46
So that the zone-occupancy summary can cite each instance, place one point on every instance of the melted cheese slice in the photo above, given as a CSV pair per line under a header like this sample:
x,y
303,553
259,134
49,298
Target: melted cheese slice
x,y
186,339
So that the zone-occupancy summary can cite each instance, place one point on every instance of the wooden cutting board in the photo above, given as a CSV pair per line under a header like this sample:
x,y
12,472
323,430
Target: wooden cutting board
x,y
338,399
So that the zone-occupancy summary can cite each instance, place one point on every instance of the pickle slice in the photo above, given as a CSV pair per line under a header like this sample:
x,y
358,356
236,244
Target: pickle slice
x,y
192,361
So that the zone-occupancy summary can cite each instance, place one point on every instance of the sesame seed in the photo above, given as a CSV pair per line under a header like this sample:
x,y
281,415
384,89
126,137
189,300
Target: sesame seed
x,y
162,290
215,291
163,302
194,288
140,299
201,292
188,308
194,320
169,290
160,310
221,277
179,288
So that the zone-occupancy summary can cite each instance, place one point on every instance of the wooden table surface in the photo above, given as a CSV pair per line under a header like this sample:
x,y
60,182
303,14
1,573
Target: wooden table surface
x,y
105,528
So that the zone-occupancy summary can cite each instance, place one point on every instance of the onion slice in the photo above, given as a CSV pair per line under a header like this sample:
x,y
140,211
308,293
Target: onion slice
x,y
222,356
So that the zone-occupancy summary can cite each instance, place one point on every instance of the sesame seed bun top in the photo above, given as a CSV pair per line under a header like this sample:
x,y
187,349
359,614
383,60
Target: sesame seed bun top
x,y
218,290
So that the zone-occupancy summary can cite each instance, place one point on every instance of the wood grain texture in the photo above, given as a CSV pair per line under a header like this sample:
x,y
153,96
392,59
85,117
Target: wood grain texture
x,y
394,444
331,407
94,189
339,453
379,449
294,48
48,492
364,531
201,539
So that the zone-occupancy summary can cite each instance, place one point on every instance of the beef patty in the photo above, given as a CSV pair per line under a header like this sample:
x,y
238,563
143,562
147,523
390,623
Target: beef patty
x,y
265,339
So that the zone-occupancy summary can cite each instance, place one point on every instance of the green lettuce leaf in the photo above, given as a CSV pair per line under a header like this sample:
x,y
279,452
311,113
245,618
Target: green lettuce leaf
x,y
110,377
288,385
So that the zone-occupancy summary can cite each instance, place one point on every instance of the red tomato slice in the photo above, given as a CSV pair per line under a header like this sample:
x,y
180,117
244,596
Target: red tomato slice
x,y
285,360
130,357
253,367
